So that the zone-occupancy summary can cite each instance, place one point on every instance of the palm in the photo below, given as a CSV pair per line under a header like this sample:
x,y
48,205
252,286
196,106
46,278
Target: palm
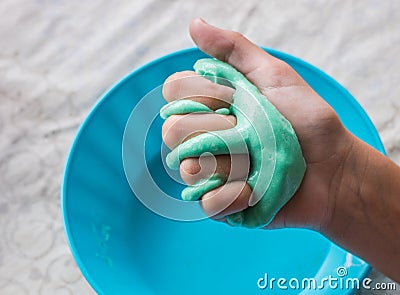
x,y
318,128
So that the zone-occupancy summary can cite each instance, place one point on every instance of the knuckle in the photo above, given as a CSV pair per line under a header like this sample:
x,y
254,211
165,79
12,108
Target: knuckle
x,y
171,129
169,89
280,69
172,84
220,93
236,36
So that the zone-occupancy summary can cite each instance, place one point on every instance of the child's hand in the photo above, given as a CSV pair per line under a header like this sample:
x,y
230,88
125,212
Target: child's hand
x,y
325,142
350,192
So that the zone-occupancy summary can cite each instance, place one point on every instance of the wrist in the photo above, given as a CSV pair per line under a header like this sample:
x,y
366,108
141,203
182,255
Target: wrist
x,y
366,208
345,189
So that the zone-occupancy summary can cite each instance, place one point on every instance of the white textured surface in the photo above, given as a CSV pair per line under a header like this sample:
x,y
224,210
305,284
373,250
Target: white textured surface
x,y
57,57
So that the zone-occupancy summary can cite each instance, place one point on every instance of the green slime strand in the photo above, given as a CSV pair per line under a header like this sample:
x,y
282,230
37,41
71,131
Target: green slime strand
x,y
277,163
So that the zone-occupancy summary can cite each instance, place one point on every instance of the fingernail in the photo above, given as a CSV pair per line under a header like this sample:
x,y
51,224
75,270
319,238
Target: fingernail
x,y
202,20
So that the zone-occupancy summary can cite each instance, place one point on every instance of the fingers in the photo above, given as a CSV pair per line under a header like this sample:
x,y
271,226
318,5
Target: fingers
x,y
228,167
189,85
179,128
259,67
247,58
228,199
228,46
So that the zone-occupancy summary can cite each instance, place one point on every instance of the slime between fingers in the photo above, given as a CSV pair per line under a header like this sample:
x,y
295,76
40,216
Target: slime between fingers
x,y
277,163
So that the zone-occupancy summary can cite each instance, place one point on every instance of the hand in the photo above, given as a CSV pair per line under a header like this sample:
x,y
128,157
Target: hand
x,y
324,140
350,192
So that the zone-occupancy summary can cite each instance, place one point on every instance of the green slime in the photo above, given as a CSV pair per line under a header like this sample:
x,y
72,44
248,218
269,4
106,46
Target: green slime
x,y
277,164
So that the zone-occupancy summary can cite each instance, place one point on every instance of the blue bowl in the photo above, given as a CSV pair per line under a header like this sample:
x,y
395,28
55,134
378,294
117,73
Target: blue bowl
x,y
122,247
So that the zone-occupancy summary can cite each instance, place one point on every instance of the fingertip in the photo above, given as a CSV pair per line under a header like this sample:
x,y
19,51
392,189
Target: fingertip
x,y
198,30
195,27
189,168
198,20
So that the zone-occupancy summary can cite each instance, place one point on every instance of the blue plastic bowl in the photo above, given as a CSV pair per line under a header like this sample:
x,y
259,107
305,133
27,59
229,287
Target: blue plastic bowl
x,y
122,247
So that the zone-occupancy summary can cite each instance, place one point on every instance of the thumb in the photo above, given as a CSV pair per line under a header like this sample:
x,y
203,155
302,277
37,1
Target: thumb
x,y
233,48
